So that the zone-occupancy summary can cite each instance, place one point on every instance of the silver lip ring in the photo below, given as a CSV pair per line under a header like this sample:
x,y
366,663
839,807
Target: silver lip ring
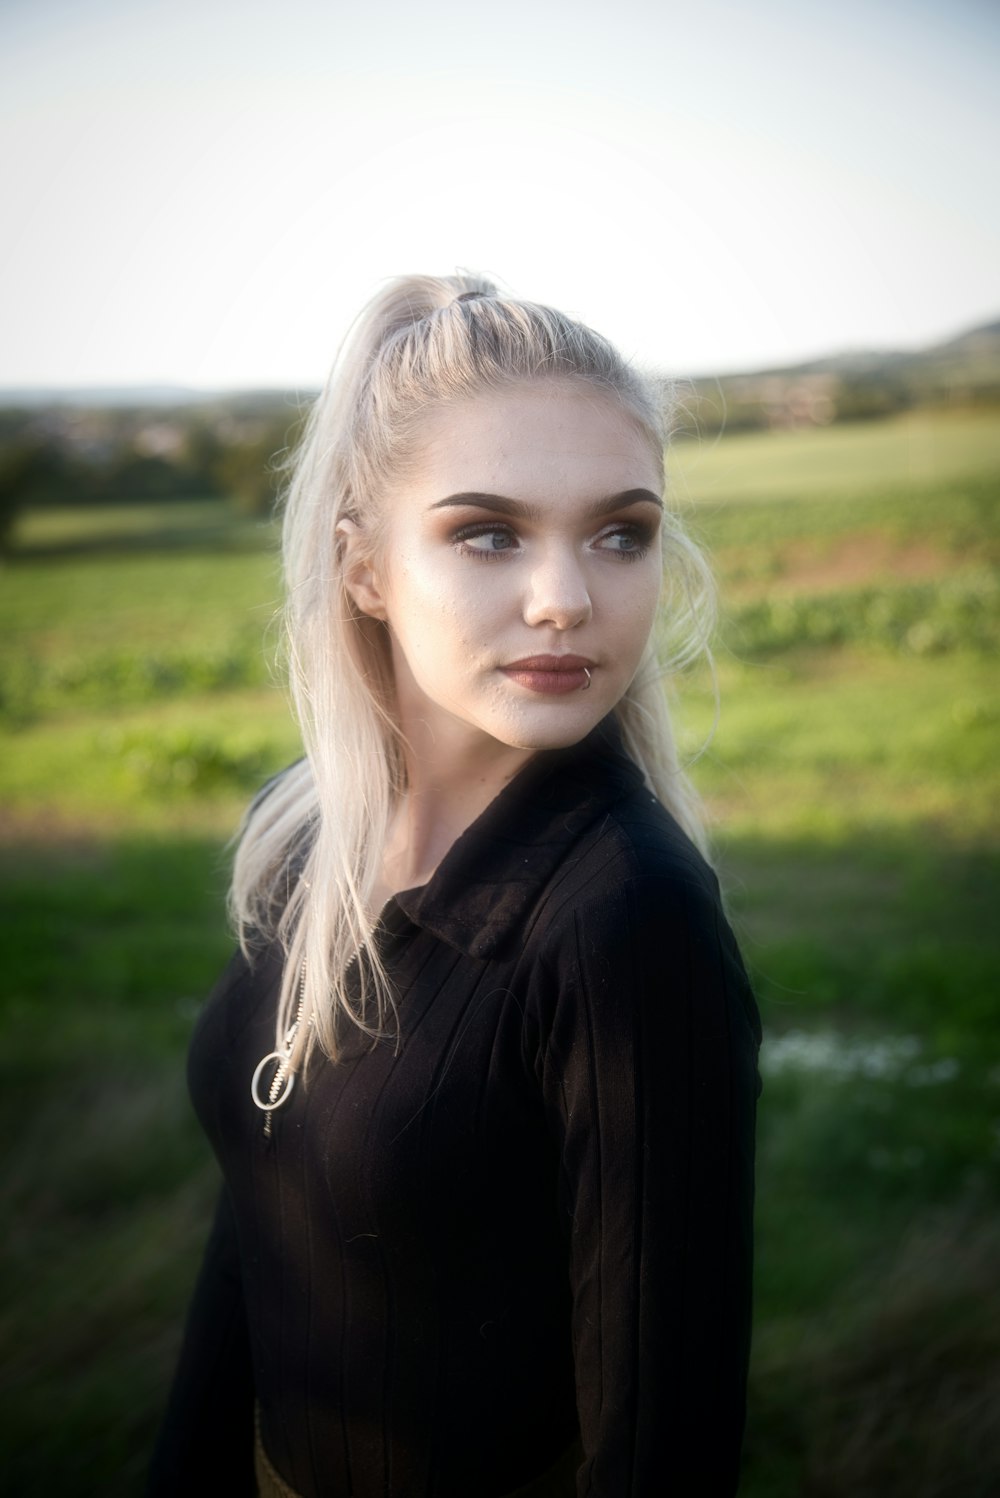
x,y
289,1082
586,686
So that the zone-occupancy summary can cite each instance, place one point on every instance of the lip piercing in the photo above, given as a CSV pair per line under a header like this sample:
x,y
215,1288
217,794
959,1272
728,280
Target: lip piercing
x,y
586,684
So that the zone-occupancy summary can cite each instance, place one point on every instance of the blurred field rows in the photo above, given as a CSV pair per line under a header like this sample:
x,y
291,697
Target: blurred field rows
x,y
853,780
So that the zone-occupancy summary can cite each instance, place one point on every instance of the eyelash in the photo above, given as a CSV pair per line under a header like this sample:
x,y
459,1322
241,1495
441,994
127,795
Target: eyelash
x,y
640,534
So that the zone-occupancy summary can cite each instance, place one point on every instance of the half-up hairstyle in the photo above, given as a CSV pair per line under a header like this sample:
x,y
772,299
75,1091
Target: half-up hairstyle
x,y
311,848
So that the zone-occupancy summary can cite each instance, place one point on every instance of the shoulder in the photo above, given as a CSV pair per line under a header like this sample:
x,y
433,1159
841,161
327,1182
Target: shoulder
x,y
634,921
635,855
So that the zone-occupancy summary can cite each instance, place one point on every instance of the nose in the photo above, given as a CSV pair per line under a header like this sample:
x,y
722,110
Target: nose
x,y
557,591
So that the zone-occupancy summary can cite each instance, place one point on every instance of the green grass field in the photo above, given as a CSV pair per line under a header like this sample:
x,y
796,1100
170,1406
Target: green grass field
x,y
853,783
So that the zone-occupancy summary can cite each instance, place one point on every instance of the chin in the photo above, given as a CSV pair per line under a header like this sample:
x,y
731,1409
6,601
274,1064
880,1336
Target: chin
x,y
552,735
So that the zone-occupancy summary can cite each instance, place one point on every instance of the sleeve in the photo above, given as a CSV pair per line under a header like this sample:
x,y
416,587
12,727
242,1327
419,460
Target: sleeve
x,y
649,1073
205,1444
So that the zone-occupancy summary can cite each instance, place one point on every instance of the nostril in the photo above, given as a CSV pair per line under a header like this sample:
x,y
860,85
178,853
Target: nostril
x,y
558,594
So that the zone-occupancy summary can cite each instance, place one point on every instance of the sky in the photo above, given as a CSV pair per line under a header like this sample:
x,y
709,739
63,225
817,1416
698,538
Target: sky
x,y
205,192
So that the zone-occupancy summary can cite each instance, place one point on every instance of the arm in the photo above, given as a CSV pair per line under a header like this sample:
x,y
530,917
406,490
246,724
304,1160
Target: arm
x,y
205,1444
650,1077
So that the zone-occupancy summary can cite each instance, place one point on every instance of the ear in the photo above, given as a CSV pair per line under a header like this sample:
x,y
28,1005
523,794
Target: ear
x,y
360,578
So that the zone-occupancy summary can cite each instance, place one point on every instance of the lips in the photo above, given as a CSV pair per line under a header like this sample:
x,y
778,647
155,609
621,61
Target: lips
x,y
551,674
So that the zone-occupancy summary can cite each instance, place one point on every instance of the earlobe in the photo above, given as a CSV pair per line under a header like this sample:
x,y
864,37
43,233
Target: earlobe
x,y
360,578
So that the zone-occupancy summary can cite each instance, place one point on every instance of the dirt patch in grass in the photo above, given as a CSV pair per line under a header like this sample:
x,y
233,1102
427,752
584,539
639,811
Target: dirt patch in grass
x,y
858,559
828,566
27,834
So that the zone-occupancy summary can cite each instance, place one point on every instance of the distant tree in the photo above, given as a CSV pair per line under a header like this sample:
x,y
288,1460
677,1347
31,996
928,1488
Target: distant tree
x,y
248,478
202,456
861,399
32,471
129,475
250,471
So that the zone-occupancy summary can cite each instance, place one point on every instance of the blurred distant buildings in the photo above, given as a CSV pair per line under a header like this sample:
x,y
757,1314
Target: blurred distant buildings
x,y
127,445
962,372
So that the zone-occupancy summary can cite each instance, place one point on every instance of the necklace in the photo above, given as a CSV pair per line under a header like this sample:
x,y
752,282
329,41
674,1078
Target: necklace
x,y
283,1079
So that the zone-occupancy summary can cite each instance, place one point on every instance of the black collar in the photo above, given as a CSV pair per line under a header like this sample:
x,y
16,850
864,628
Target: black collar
x,y
489,879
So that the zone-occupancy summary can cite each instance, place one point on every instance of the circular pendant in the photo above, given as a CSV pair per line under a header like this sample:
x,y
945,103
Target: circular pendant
x,y
268,1103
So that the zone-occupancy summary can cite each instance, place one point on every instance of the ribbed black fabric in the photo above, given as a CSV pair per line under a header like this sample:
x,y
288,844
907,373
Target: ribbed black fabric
x,y
532,1217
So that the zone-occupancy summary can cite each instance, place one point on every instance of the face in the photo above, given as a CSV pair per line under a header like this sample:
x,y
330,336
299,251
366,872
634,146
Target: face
x,y
520,570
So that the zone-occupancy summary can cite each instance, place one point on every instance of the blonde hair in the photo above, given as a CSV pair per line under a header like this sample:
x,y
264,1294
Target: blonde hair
x,y
310,851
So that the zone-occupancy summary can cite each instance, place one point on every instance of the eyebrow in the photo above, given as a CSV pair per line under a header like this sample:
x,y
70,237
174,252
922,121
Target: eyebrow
x,y
499,504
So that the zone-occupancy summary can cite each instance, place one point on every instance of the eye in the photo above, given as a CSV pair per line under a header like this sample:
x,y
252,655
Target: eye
x,y
629,542
486,542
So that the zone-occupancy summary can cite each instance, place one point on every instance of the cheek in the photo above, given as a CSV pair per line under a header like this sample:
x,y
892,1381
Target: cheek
x,y
633,606
456,599
433,612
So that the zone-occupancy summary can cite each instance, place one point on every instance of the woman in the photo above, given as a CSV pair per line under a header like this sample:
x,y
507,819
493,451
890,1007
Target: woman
x,y
482,1076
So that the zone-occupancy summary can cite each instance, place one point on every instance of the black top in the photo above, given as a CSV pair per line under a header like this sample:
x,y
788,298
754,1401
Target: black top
x,y
529,1218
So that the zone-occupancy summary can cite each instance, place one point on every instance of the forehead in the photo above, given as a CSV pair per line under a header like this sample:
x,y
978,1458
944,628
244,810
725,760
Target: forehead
x,y
534,438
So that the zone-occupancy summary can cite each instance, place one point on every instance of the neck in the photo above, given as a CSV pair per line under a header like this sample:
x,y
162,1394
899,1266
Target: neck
x,y
449,784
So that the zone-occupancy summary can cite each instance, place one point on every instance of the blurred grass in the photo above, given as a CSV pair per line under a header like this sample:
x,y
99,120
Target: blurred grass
x,y
72,605
923,449
854,783
65,530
